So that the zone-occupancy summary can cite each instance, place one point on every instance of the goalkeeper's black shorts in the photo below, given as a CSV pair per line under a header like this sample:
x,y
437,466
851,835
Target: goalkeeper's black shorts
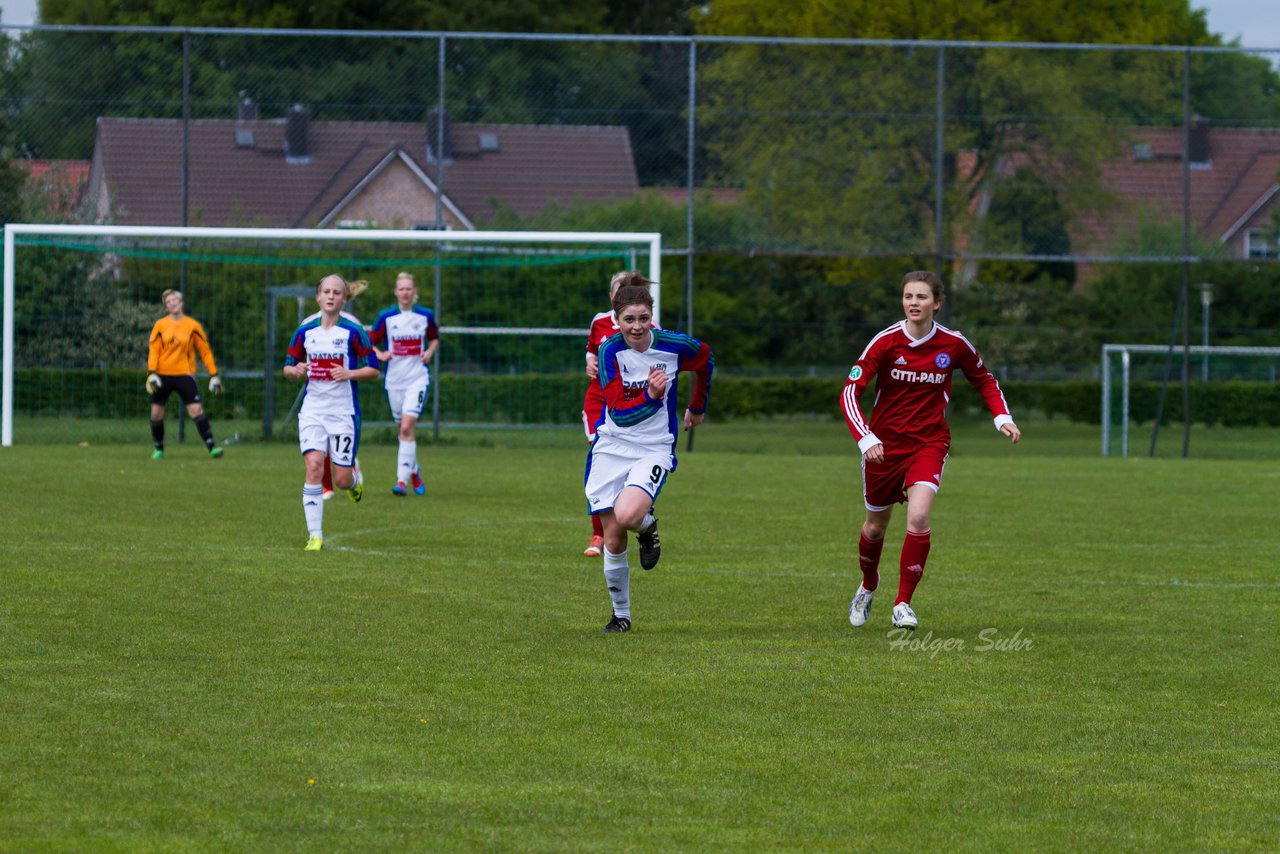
x,y
184,385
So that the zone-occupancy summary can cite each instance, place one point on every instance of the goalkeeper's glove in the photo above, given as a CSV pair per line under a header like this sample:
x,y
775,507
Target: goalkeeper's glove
x,y
215,385
153,383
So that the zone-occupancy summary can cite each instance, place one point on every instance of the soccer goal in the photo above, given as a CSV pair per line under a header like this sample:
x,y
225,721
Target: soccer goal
x,y
1134,372
513,308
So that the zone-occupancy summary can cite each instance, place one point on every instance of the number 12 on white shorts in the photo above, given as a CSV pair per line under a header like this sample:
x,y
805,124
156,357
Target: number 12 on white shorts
x,y
336,435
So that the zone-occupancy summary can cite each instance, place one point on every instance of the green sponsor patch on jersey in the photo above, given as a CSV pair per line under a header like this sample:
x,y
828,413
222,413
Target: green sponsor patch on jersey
x,y
856,373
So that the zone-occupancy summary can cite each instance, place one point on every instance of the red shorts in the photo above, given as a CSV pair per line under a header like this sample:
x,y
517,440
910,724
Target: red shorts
x,y
885,483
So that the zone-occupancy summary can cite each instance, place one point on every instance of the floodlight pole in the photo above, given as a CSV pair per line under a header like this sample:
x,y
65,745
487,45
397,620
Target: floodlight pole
x,y
690,176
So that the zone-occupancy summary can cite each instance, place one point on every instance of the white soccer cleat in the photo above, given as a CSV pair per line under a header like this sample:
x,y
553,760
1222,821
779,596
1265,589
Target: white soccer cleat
x,y
860,607
904,617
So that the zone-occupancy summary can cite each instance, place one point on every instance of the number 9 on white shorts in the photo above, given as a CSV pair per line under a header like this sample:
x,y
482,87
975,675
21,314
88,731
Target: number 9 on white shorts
x,y
608,474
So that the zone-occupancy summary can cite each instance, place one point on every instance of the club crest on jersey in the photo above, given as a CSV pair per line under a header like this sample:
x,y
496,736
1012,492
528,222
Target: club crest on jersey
x,y
856,373
942,360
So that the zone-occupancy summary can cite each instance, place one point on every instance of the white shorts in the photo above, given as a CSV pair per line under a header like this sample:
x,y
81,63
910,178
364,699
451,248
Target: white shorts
x,y
336,435
408,401
608,474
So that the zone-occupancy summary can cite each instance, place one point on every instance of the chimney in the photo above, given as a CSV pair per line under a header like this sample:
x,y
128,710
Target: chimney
x,y
433,136
297,126
248,112
1200,150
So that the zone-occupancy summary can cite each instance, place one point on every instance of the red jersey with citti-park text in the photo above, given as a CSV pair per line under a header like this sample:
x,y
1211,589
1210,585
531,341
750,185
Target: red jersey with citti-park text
x,y
913,387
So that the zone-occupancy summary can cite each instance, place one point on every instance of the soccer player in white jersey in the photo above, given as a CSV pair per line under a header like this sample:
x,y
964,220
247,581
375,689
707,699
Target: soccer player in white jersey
x,y
356,288
603,327
634,448
904,446
412,337
331,354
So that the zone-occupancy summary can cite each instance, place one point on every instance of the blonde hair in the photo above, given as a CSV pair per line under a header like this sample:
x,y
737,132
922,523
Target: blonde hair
x,y
346,286
168,292
356,288
408,276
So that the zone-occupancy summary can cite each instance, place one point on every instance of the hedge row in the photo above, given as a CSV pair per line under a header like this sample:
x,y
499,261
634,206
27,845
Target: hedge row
x,y
119,393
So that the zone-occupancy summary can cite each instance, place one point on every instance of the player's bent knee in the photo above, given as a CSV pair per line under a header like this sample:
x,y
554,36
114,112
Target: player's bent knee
x,y
874,531
630,518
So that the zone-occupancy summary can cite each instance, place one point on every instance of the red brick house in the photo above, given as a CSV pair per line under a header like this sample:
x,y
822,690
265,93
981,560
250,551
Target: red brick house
x,y
59,184
293,172
1234,188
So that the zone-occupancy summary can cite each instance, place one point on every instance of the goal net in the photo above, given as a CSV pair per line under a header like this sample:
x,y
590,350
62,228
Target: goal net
x,y
1223,381
513,310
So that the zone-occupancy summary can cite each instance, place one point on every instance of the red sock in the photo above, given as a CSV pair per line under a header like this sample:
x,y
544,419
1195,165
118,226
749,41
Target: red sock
x,y
326,479
869,561
597,527
915,551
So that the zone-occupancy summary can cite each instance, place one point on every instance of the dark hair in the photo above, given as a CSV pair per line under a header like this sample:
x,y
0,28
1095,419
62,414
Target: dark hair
x,y
632,295
629,277
929,278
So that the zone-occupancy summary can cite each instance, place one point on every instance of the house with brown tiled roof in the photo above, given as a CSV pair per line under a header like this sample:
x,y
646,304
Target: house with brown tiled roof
x,y
297,173
1234,188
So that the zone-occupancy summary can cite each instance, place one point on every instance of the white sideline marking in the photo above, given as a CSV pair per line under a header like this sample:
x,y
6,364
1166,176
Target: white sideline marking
x,y
1178,582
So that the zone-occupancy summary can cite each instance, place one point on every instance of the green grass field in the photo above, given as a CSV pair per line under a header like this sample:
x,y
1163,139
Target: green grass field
x,y
177,674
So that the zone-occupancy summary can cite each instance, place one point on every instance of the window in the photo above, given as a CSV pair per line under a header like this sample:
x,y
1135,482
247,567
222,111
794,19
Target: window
x,y
1259,244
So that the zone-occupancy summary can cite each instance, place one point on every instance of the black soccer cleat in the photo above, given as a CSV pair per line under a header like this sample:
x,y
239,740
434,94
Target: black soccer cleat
x,y
650,546
616,624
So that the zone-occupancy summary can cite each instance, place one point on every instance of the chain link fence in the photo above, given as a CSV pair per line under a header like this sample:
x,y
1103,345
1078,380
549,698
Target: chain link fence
x,y
1070,195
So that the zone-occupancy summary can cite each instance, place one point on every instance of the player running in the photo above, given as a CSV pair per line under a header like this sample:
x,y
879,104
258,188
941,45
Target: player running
x,y
634,448
331,354
603,326
412,338
171,366
326,481
904,447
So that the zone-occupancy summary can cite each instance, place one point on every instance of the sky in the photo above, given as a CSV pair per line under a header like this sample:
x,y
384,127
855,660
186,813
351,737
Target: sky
x,y
1256,22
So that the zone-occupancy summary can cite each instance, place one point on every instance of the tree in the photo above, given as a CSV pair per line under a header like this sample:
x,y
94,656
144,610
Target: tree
x,y
12,179
68,80
837,143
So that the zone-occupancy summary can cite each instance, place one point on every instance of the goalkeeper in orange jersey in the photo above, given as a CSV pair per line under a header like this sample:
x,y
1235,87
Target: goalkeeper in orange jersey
x,y
171,366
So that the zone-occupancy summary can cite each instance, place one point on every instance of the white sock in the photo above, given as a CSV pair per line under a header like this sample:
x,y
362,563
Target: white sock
x,y
646,523
617,576
407,462
313,508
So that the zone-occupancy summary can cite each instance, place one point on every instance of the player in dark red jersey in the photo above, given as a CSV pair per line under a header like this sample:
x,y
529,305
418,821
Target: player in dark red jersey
x,y
904,446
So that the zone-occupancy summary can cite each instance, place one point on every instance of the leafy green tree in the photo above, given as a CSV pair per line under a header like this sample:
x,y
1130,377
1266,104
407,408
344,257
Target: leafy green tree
x,y
12,179
837,143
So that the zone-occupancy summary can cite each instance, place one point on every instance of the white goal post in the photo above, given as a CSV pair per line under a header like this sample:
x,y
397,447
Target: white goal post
x,y
1124,352
649,243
